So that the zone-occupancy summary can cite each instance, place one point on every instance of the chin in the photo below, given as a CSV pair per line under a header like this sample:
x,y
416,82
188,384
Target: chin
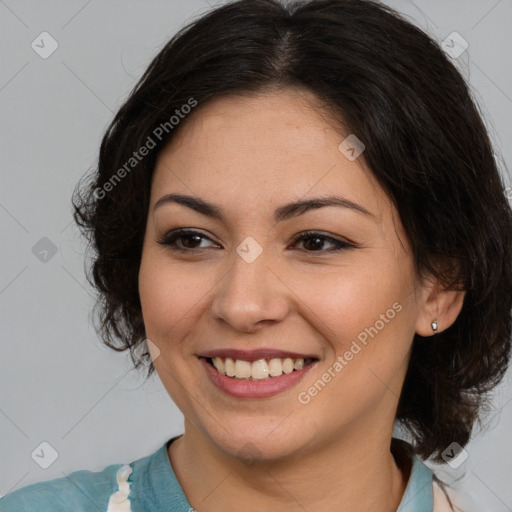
x,y
252,441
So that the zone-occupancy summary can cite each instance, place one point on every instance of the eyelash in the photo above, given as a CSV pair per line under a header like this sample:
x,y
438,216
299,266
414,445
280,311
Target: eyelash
x,y
169,240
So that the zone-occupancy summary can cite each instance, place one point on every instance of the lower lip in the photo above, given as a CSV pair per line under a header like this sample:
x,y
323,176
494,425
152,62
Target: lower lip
x,y
241,388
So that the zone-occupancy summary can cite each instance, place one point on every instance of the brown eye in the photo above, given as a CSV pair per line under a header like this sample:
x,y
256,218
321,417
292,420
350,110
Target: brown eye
x,y
314,242
187,240
183,240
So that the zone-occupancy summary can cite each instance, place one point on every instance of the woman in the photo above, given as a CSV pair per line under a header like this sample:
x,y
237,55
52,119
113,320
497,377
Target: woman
x,y
298,214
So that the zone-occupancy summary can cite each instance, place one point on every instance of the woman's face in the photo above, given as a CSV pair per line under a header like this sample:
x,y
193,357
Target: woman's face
x,y
245,282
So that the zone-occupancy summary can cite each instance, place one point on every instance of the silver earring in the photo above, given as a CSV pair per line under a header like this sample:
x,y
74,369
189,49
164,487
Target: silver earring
x,y
434,326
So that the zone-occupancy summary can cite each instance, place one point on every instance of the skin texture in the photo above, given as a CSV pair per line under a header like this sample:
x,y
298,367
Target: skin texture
x,y
251,155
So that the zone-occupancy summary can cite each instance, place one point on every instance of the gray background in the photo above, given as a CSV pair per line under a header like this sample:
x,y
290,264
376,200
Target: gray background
x,y
57,383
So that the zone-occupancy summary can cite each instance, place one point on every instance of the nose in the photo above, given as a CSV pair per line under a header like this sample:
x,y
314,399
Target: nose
x,y
251,295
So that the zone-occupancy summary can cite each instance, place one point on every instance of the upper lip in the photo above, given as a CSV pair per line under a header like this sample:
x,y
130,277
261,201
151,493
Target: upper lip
x,y
254,355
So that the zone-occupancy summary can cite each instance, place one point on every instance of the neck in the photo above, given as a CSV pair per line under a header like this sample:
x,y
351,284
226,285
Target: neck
x,y
337,476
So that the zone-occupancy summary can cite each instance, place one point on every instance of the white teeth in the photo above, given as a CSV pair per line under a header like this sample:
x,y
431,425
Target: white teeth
x,y
229,367
275,367
217,361
257,370
288,365
242,369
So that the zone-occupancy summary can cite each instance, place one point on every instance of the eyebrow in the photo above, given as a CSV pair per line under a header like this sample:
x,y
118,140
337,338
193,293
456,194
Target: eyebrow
x,y
282,213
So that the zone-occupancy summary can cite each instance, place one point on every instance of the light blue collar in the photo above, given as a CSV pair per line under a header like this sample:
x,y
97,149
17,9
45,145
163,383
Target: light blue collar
x,y
157,486
418,493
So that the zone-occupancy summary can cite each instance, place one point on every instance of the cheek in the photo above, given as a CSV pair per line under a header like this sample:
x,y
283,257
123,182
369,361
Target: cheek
x,y
364,318
349,300
168,294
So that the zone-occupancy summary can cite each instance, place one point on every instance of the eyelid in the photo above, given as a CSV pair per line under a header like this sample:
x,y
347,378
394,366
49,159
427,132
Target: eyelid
x,y
310,233
339,243
171,236
169,239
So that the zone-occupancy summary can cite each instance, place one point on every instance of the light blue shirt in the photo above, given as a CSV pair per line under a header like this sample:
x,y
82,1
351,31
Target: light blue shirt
x,y
153,487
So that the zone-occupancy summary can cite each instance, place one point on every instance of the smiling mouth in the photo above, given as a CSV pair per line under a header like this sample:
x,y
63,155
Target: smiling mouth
x,y
261,369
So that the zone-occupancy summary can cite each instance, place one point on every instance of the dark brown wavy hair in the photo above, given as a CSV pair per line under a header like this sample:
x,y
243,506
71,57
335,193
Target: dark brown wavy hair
x,y
426,144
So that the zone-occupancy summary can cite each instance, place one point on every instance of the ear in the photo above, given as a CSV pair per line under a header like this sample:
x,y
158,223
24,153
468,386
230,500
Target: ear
x,y
441,304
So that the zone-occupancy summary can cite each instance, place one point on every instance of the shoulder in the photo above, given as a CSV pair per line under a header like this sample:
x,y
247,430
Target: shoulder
x,y
79,491
424,491
441,503
447,499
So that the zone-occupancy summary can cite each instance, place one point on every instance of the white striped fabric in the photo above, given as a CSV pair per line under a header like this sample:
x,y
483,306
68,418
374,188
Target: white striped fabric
x,y
119,501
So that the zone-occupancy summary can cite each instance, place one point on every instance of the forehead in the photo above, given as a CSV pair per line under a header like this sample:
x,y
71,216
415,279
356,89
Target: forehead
x,y
289,119
271,147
